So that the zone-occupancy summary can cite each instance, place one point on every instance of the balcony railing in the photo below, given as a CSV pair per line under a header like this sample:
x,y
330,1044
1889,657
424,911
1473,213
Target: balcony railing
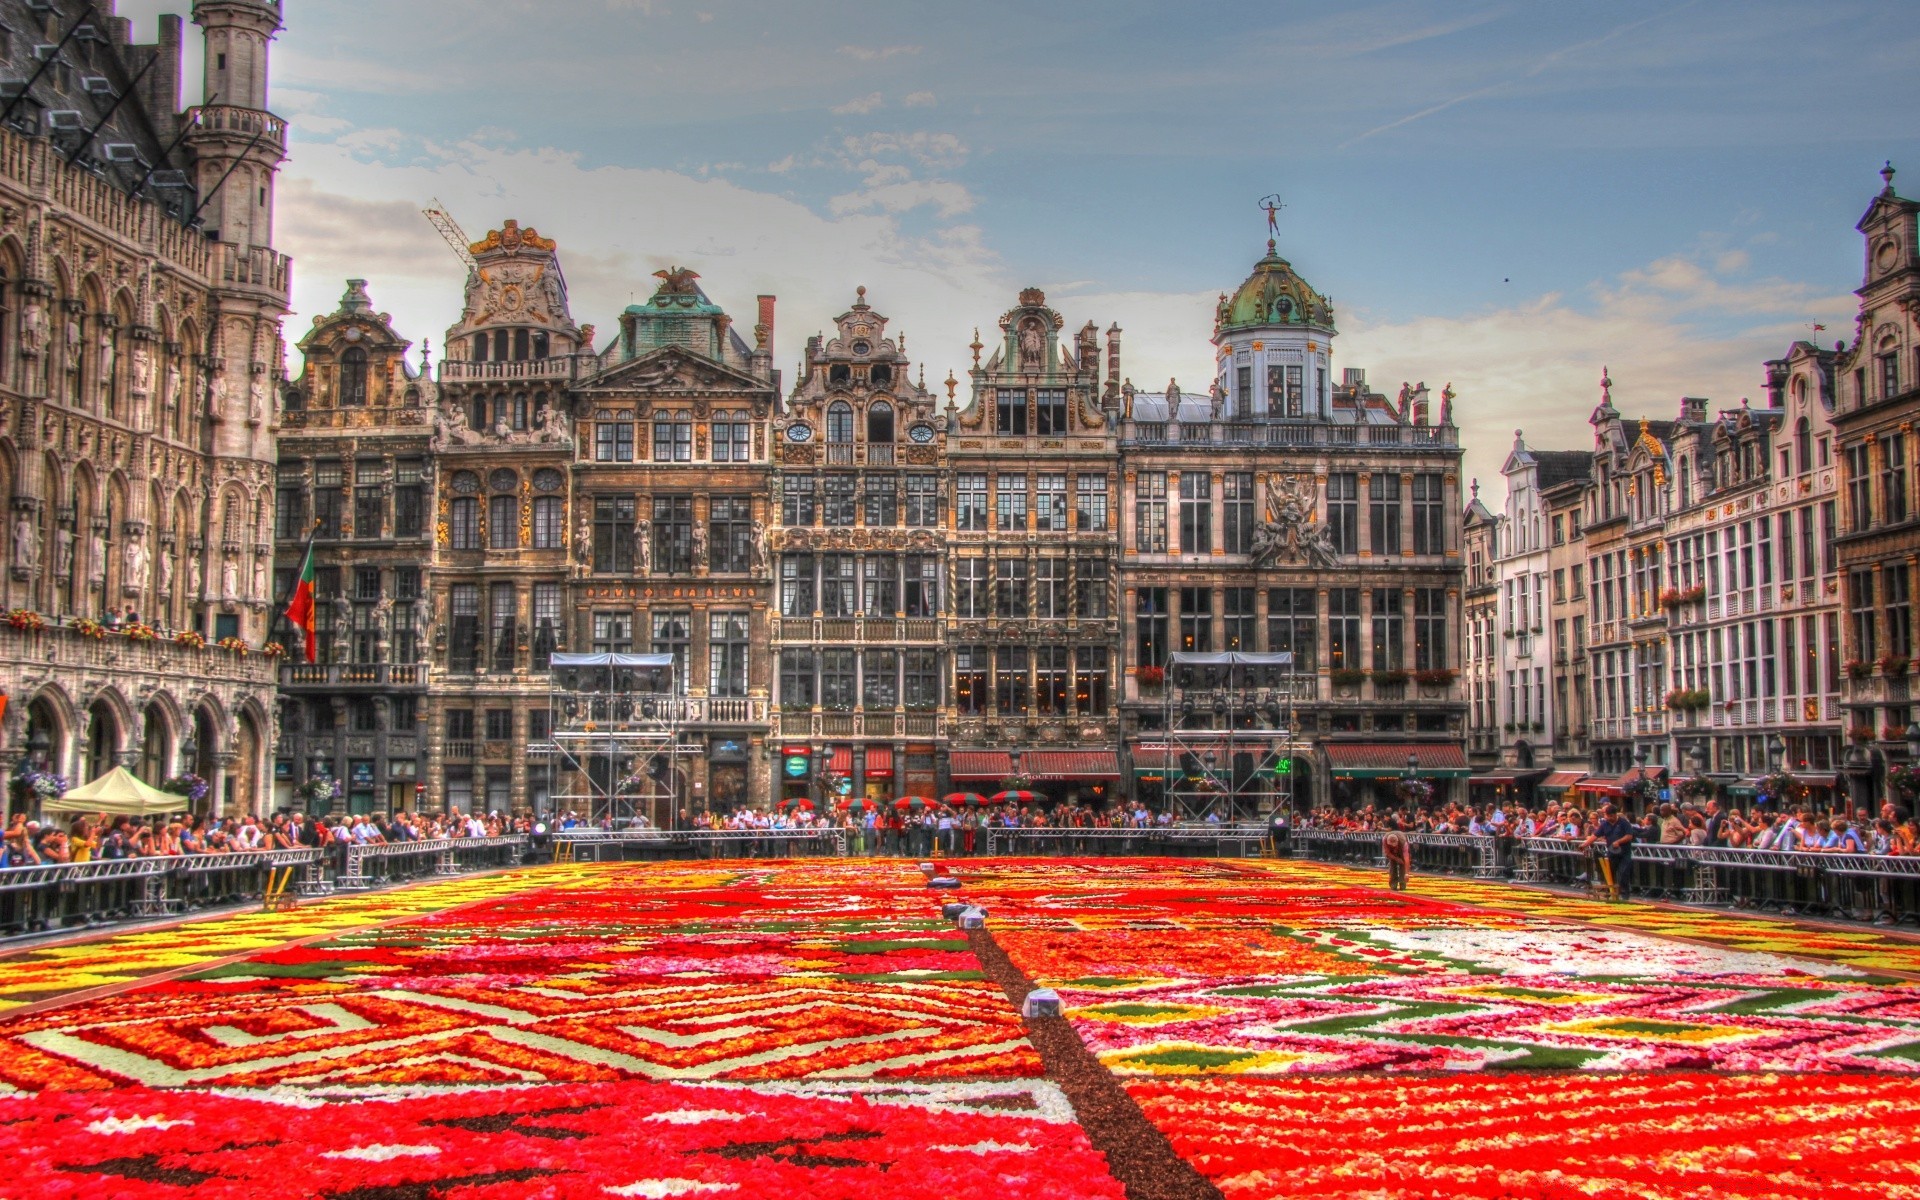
x,y
803,724
849,630
1282,433
353,675
114,655
454,370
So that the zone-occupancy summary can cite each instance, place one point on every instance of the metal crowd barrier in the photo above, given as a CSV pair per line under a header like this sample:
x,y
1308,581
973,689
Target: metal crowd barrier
x,y
58,896
1185,841
363,865
620,845
1860,886
1447,853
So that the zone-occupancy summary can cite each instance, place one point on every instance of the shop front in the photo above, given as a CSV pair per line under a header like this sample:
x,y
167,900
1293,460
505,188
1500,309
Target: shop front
x,y
1371,773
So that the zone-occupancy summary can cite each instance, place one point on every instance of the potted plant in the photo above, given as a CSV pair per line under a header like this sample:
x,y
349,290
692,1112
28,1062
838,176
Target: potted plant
x,y
1781,786
232,645
1151,676
1439,677
192,639
1905,780
1892,667
274,650
187,784
318,790
44,785
1697,788
88,627
25,619
1856,668
140,632
1346,677
1860,734
1393,678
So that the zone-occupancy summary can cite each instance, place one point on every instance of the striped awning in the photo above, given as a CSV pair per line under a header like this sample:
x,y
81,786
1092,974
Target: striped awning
x,y
1387,760
981,764
1618,787
1045,765
1560,781
879,762
842,761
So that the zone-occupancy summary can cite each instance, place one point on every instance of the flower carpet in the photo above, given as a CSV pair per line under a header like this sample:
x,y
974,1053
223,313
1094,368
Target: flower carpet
x,y
814,1028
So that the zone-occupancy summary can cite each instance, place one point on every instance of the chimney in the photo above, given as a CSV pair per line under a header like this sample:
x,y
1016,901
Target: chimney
x,y
763,329
1113,365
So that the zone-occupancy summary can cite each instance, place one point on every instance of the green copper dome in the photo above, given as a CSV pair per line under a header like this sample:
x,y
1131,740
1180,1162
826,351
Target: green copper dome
x,y
1273,296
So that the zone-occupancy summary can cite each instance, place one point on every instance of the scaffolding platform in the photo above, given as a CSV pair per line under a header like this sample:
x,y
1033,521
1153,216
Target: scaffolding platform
x,y
1228,722
613,724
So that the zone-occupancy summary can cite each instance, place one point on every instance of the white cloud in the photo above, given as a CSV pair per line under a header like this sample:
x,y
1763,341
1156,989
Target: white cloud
x,y
870,102
950,199
877,53
918,100
939,151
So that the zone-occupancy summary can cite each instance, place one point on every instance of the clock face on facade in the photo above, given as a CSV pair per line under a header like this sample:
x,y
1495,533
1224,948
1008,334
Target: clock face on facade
x,y
799,432
921,433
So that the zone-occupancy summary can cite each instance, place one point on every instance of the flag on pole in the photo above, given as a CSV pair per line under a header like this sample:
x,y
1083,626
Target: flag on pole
x,y
300,605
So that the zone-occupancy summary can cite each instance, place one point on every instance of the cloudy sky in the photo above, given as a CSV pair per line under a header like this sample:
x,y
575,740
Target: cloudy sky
x,y
1505,195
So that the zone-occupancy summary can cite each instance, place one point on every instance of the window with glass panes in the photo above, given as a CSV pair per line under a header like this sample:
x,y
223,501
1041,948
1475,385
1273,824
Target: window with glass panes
x,y
1050,588
1343,629
612,633
970,502
1897,583
613,520
503,524
1237,619
329,478
1430,629
673,436
1011,503
732,437
549,522
839,677
1052,680
1860,593
799,500
730,533
369,509
923,501
612,440
839,585
882,502
1196,620
1150,626
1893,476
727,645
1091,666
1012,689
673,634
365,632
921,586
1859,487
1050,503
1243,391
409,498
1150,512
1286,390
1010,587
880,680
1196,513
970,591
463,638
500,626
287,513
1090,588
1237,519
1383,495
1430,512
970,679
546,623
798,679
1343,512
796,585
1050,412
1090,503
920,680
839,508
1010,411
880,585
673,535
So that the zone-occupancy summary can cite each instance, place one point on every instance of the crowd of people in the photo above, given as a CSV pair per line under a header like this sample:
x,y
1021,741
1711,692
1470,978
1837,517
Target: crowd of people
x,y
101,836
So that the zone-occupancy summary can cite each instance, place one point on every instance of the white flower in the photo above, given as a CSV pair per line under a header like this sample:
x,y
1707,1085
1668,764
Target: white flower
x,y
379,1153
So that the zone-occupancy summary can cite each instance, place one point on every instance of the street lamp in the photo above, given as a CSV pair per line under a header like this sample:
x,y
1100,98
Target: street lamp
x,y
1913,742
189,755
1697,756
1778,747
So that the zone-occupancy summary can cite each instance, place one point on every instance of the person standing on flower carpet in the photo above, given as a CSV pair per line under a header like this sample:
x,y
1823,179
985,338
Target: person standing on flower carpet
x,y
1399,855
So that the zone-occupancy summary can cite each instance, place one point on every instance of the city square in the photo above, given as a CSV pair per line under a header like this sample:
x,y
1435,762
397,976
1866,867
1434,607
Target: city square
x,y
559,696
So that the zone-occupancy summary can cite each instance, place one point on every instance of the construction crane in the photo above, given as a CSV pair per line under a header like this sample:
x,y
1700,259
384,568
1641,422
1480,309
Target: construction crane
x,y
440,219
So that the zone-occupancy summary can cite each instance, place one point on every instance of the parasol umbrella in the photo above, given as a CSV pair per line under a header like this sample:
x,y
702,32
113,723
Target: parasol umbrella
x,y
958,799
857,806
911,803
1017,797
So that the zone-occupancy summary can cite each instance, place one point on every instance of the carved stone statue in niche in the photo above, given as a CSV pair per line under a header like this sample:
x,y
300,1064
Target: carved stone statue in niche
x,y
97,564
63,553
217,389
643,546
142,357
583,540
256,400
170,391
759,546
73,344
26,547
33,329
551,420
164,585
699,545
135,561
229,578
259,579
1033,344
194,576
106,358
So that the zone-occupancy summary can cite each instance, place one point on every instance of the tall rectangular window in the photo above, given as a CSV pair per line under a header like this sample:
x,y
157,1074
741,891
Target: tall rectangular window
x,y
727,645
613,518
409,498
1859,487
1293,625
1430,515
463,523
1237,520
287,512
880,680
1388,624
970,598
1050,412
920,680
549,522
613,441
732,437
838,679
1196,513
1010,588
880,585
1829,538
1051,677
673,634
1383,496
673,436
1243,391
1050,588
923,501
1343,512
838,510
730,534
1012,689
547,623
369,512
1091,667
501,602
799,501
1150,512
1150,627
970,679
1011,503
1889,376
1237,619
463,639
503,522
1430,629
882,498
1010,411
796,585
673,535
1899,607
1343,629
1196,620
839,589
1866,645
920,586
970,502
1893,476
1090,589
1050,503
1090,503
612,633
799,679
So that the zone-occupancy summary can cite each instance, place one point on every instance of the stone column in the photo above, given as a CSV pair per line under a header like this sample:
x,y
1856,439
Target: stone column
x,y
221,762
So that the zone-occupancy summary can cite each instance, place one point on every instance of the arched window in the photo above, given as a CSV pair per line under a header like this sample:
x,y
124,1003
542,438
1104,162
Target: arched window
x,y
353,378
880,422
1802,438
479,347
840,422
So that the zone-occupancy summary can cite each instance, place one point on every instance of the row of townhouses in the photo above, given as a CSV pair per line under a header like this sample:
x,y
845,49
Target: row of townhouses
x,y
1726,591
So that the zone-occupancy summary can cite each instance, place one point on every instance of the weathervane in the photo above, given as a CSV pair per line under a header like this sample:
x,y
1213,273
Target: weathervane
x,y
1271,205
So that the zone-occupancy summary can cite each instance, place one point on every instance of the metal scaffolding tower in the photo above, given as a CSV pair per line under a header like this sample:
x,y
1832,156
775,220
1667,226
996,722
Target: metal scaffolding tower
x,y
1229,721
614,732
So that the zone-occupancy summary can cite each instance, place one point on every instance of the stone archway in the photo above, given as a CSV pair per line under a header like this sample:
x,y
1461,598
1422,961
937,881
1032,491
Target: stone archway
x,y
104,739
156,745
244,775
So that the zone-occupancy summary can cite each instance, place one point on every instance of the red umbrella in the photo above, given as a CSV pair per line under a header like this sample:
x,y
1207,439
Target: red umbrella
x,y
956,799
911,803
1017,797
857,806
